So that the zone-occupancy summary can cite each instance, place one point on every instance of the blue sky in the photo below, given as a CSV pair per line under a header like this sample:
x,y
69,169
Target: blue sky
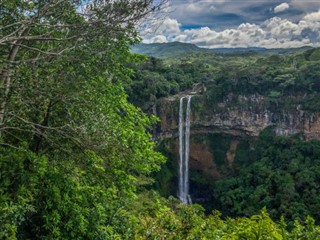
x,y
238,23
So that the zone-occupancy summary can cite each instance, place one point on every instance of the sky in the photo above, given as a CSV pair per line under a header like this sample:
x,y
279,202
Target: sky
x,y
237,23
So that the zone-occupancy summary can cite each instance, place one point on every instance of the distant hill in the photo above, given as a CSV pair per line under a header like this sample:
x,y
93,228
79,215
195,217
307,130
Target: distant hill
x,y
168,49
175,49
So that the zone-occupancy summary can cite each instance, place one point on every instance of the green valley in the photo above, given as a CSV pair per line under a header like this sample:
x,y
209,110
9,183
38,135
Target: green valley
x,y
100,141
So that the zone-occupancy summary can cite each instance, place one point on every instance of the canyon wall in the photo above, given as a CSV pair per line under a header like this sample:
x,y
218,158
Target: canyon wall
x,y
224,137
248,116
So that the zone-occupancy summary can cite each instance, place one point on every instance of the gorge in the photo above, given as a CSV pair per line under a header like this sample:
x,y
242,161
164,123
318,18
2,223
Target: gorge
x,y
98,141
235,125
255,117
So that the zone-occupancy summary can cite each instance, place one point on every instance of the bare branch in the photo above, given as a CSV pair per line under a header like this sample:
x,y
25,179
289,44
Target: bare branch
x,y
41,51
9,145
34,125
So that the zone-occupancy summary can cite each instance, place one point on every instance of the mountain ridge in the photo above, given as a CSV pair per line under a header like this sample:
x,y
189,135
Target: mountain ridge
x,y
175,49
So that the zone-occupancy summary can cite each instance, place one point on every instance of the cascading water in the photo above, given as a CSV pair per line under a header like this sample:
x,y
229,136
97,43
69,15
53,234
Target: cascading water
x,y
181,194
187,150
184,138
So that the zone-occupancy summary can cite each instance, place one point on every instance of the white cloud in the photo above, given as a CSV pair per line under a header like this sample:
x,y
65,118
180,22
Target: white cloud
x,y
191,11
227,13
272,33
313,17
156,39
212,8
312,21
170,27
282,7
199,7
282,28
167,27
194,8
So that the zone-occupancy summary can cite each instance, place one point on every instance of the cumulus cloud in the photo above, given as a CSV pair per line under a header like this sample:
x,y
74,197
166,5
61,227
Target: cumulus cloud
x,y
160,31
312,20
192,12
156,39
169,26
195,7
272,33
217,13
282,7
313,17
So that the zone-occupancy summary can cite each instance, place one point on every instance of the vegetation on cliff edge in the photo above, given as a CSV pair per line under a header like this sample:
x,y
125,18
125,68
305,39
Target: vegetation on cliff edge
x,y
75,155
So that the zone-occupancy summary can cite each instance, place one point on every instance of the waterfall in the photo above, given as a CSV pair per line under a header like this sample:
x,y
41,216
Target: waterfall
x,y
184,143
187,151
181,152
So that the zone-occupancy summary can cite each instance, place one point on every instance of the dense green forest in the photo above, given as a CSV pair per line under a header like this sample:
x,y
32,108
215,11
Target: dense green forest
x,y
279,173
76,157
284,78
283,178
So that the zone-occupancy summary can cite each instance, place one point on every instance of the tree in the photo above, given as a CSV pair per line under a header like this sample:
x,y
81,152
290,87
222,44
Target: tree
x,y
32,31
73,150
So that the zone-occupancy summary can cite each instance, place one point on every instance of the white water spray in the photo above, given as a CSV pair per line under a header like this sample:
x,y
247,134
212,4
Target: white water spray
x,y
184,143
181,152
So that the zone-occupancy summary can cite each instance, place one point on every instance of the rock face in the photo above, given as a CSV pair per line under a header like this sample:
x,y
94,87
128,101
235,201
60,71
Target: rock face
x,y
201,159
249,116
223,137
232,152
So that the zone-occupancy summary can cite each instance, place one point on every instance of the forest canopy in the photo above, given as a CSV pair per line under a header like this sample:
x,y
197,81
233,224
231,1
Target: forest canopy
x,y
76,157
73,150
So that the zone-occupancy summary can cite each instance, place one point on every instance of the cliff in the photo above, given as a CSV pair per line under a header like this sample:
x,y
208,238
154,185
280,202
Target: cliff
x,y
238,116
224,137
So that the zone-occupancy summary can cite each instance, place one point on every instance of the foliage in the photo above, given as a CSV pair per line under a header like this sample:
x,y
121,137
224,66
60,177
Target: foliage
x,y
156,78
169,219
283,79
73,150
279,173
283,178
276,173
75,155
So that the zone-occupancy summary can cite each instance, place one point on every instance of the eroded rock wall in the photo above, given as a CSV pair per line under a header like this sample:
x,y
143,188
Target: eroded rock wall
x,y
224,137
249,116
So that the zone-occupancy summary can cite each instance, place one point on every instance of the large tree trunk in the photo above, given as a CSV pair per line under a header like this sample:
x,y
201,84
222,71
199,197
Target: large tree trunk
x,y
5,79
